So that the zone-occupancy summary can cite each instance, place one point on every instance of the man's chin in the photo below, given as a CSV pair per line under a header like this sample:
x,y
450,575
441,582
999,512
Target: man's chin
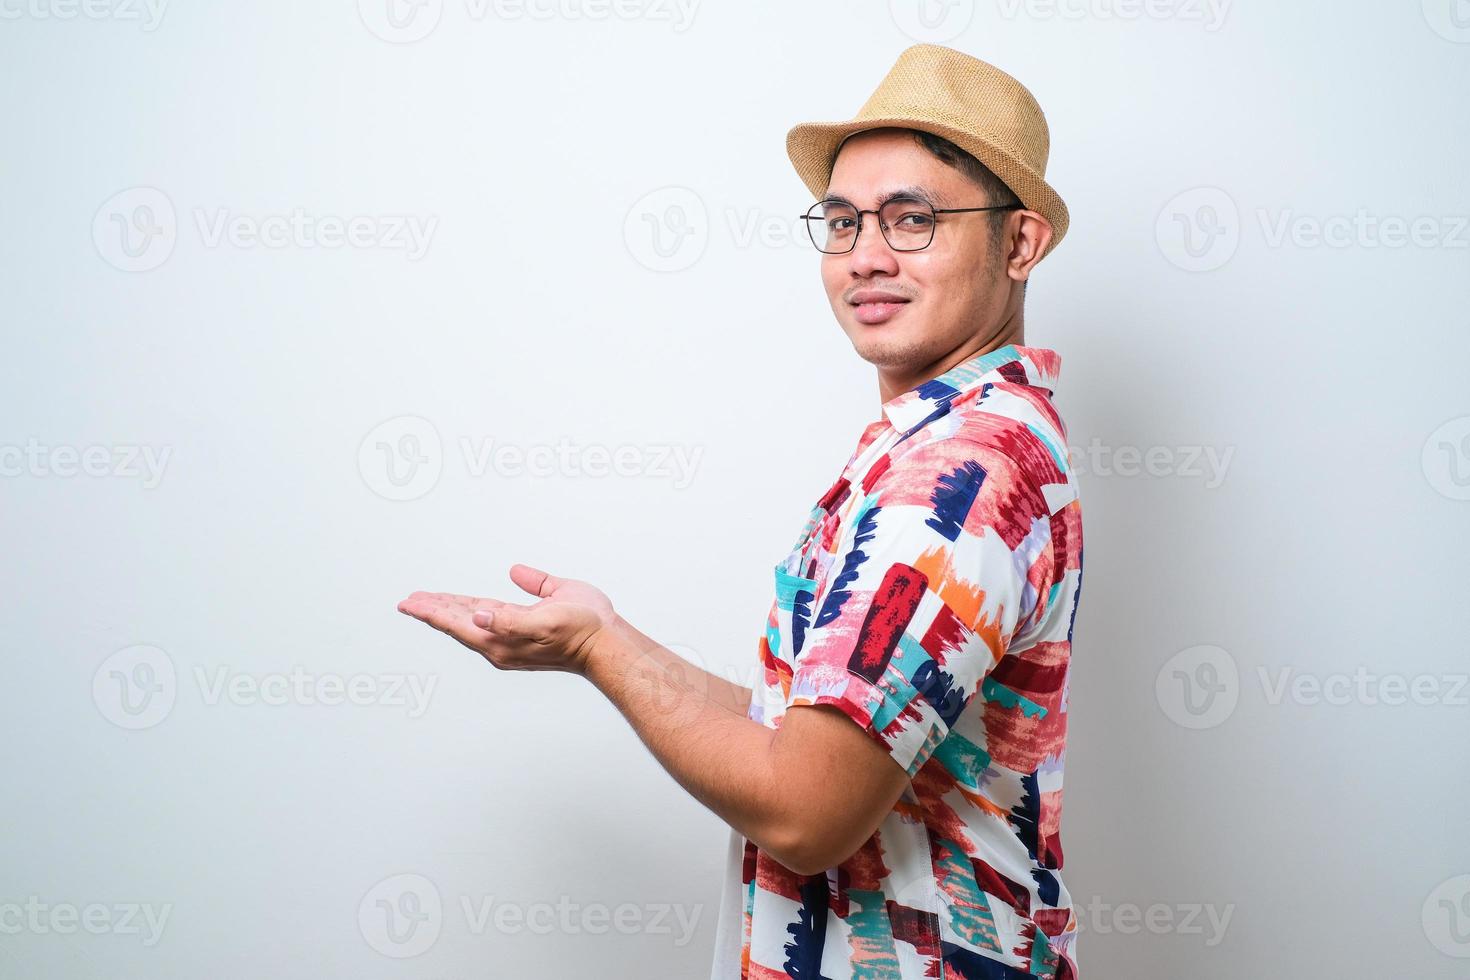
x,y
890,350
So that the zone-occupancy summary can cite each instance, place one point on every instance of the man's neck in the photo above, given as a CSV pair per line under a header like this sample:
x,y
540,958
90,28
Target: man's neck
x,y
890,386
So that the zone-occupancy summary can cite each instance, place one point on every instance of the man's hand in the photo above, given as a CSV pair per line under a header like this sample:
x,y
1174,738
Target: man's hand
x,y
809,794
555,633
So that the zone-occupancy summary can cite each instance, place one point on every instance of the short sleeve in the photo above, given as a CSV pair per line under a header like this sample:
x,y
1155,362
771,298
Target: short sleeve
x,y
932,579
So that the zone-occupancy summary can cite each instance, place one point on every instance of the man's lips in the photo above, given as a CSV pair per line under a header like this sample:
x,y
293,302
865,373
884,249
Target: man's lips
x,y
872,306
876,296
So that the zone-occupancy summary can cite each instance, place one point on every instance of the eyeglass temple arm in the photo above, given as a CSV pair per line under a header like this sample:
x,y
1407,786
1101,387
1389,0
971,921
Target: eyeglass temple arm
x,y
998,207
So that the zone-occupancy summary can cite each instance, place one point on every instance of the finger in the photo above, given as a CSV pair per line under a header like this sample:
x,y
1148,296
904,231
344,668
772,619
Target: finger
x,y
533,580
495,605
469,602
456,621
440,614
415,600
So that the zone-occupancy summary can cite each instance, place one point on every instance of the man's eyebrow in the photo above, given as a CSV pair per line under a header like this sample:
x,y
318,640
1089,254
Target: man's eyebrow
x,y
913,190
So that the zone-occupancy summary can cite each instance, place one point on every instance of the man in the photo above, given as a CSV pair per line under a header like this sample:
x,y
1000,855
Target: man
x,y
907,824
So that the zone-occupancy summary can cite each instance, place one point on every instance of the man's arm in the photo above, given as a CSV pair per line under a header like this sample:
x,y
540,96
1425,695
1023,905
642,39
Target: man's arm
x,y
808,793
723,692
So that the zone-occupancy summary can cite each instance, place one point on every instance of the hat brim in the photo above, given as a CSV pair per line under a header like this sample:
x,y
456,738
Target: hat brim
x,y
812,147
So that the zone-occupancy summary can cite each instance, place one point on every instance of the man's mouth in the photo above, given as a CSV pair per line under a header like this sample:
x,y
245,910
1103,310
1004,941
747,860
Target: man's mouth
x,y
872,306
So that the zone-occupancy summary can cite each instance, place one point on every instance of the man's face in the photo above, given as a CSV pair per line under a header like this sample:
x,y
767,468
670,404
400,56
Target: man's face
x,y
952,290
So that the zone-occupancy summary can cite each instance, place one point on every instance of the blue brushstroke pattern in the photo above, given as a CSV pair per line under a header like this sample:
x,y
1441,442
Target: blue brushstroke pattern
x,y
1076,595
953,497
967,963
934,389
936,686
940,411
809,932
801,614
867,527
1026,818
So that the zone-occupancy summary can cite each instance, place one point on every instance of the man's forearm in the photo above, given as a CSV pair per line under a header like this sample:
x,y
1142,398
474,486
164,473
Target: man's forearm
x,y
722,691
685,717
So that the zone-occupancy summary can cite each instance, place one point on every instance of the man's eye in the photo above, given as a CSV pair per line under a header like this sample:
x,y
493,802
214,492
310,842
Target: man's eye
x,y
914,219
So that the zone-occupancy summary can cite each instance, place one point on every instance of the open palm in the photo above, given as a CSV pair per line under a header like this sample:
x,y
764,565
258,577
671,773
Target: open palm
x,y
552,633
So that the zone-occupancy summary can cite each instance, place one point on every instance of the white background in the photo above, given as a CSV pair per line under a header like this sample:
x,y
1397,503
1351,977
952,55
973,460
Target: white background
x,y
539,146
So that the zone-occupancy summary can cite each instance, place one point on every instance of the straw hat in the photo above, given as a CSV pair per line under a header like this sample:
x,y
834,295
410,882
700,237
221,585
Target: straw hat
x,y
970,103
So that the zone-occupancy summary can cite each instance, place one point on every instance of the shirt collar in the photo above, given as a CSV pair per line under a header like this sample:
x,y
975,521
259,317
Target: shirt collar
x,y
1037,366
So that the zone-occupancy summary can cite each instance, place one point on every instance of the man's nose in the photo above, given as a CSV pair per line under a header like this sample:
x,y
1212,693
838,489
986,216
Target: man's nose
x,y
871,252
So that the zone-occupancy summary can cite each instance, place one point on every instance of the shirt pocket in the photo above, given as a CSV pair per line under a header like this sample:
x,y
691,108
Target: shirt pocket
x,y
810,557
799,576
793,609
796,589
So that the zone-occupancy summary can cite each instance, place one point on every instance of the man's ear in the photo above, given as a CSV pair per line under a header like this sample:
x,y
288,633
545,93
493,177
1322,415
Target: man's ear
x,y
1028,243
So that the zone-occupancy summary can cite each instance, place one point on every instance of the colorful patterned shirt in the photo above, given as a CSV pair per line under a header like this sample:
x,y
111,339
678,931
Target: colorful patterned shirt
x,y
930,597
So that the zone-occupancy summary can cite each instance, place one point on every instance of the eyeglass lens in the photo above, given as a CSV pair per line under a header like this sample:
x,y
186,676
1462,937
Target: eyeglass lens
x,y
907,224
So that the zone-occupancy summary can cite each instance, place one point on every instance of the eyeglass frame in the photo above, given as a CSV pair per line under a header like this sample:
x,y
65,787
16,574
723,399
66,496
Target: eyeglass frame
x,y
808,216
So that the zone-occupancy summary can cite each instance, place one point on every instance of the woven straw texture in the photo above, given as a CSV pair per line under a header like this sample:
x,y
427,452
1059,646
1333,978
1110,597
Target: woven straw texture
x,y
969,102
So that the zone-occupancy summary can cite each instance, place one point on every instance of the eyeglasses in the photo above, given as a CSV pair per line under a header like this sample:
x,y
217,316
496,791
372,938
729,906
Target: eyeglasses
x,y
907,223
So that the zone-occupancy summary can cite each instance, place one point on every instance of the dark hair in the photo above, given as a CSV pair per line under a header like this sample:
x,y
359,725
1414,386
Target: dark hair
x,y
962,160
992,187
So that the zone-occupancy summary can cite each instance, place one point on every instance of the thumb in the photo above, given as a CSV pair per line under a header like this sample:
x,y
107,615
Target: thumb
x,y
533,580
504,620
